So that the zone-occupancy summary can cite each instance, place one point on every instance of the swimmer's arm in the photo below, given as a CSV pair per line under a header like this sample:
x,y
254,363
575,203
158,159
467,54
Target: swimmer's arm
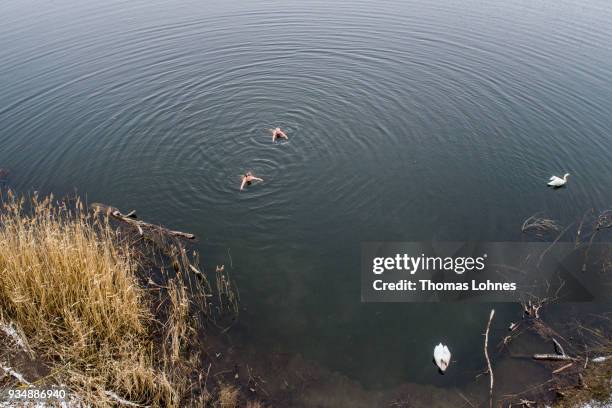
x,y
257,179
243,183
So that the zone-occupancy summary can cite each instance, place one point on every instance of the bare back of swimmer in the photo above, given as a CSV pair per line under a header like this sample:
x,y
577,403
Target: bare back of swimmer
x,y
247,179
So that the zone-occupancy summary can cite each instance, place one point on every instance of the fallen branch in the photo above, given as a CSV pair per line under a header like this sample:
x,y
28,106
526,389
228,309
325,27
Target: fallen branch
x,y
553,357
486,353
131,219
532,309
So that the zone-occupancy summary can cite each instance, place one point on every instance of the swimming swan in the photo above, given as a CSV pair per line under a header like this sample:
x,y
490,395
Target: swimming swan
x,y
558,182
442,357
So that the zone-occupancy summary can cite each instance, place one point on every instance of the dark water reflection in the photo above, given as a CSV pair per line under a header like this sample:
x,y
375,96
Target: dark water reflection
x,y
407,121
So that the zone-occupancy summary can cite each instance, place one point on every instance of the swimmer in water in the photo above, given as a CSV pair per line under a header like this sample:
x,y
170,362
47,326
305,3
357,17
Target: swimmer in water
x,y
278,134
247,179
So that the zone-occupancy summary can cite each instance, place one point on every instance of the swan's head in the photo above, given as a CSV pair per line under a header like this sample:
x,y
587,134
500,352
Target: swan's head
x,y
565,176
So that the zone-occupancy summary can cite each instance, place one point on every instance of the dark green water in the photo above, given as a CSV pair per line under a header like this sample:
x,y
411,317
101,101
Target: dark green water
x,y
408,121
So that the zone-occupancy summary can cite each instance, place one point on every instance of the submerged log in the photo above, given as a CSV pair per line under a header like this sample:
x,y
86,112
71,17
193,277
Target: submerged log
x,y
132,220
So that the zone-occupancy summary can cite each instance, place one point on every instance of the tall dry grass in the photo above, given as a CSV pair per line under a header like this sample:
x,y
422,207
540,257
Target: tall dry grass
x,y
69,281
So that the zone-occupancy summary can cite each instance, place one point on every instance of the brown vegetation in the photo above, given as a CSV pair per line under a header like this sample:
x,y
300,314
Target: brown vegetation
x,y
107,311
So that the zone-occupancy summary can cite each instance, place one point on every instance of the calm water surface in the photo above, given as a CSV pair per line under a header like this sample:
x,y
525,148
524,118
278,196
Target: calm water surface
x,y
408,120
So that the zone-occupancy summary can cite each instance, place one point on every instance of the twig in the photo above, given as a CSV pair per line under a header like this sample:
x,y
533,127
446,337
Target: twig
x,y
486,353
207,375
465,399
554,242
580,227
230,258
558,370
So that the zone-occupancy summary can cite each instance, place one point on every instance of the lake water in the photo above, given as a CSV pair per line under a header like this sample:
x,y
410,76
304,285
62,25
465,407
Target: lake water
x,y
407,121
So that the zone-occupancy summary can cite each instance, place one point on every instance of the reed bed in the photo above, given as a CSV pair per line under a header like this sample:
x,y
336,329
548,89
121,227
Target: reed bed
x,y
70,283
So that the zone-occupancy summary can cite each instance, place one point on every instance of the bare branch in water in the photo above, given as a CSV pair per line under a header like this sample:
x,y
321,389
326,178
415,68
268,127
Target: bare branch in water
x,y
539,225
604,220
553,357
554,242
486,353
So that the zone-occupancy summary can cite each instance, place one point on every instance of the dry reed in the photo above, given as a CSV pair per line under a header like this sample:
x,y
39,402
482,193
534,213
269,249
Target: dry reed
x,y
69,281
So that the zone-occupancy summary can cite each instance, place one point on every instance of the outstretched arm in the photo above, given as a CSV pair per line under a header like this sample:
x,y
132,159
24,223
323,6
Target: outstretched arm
x,y
243,183
257,179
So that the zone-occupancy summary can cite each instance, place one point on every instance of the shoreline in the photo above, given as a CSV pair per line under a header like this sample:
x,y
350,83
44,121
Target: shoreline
x,y
236,373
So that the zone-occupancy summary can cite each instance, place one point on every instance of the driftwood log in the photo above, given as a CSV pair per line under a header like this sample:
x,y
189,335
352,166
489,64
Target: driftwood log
x,y
142,226
554,357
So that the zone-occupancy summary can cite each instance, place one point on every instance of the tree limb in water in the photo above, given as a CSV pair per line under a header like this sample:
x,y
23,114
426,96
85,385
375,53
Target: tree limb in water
x,y
131,219
553,357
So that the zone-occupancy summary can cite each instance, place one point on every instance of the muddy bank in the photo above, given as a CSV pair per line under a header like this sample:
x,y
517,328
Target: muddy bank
x,y
288,379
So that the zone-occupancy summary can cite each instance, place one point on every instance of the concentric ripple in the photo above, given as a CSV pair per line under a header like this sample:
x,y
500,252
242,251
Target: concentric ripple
x,y
406,121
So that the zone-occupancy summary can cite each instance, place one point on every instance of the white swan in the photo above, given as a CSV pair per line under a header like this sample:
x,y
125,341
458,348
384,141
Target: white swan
x,y
557,181
442,356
